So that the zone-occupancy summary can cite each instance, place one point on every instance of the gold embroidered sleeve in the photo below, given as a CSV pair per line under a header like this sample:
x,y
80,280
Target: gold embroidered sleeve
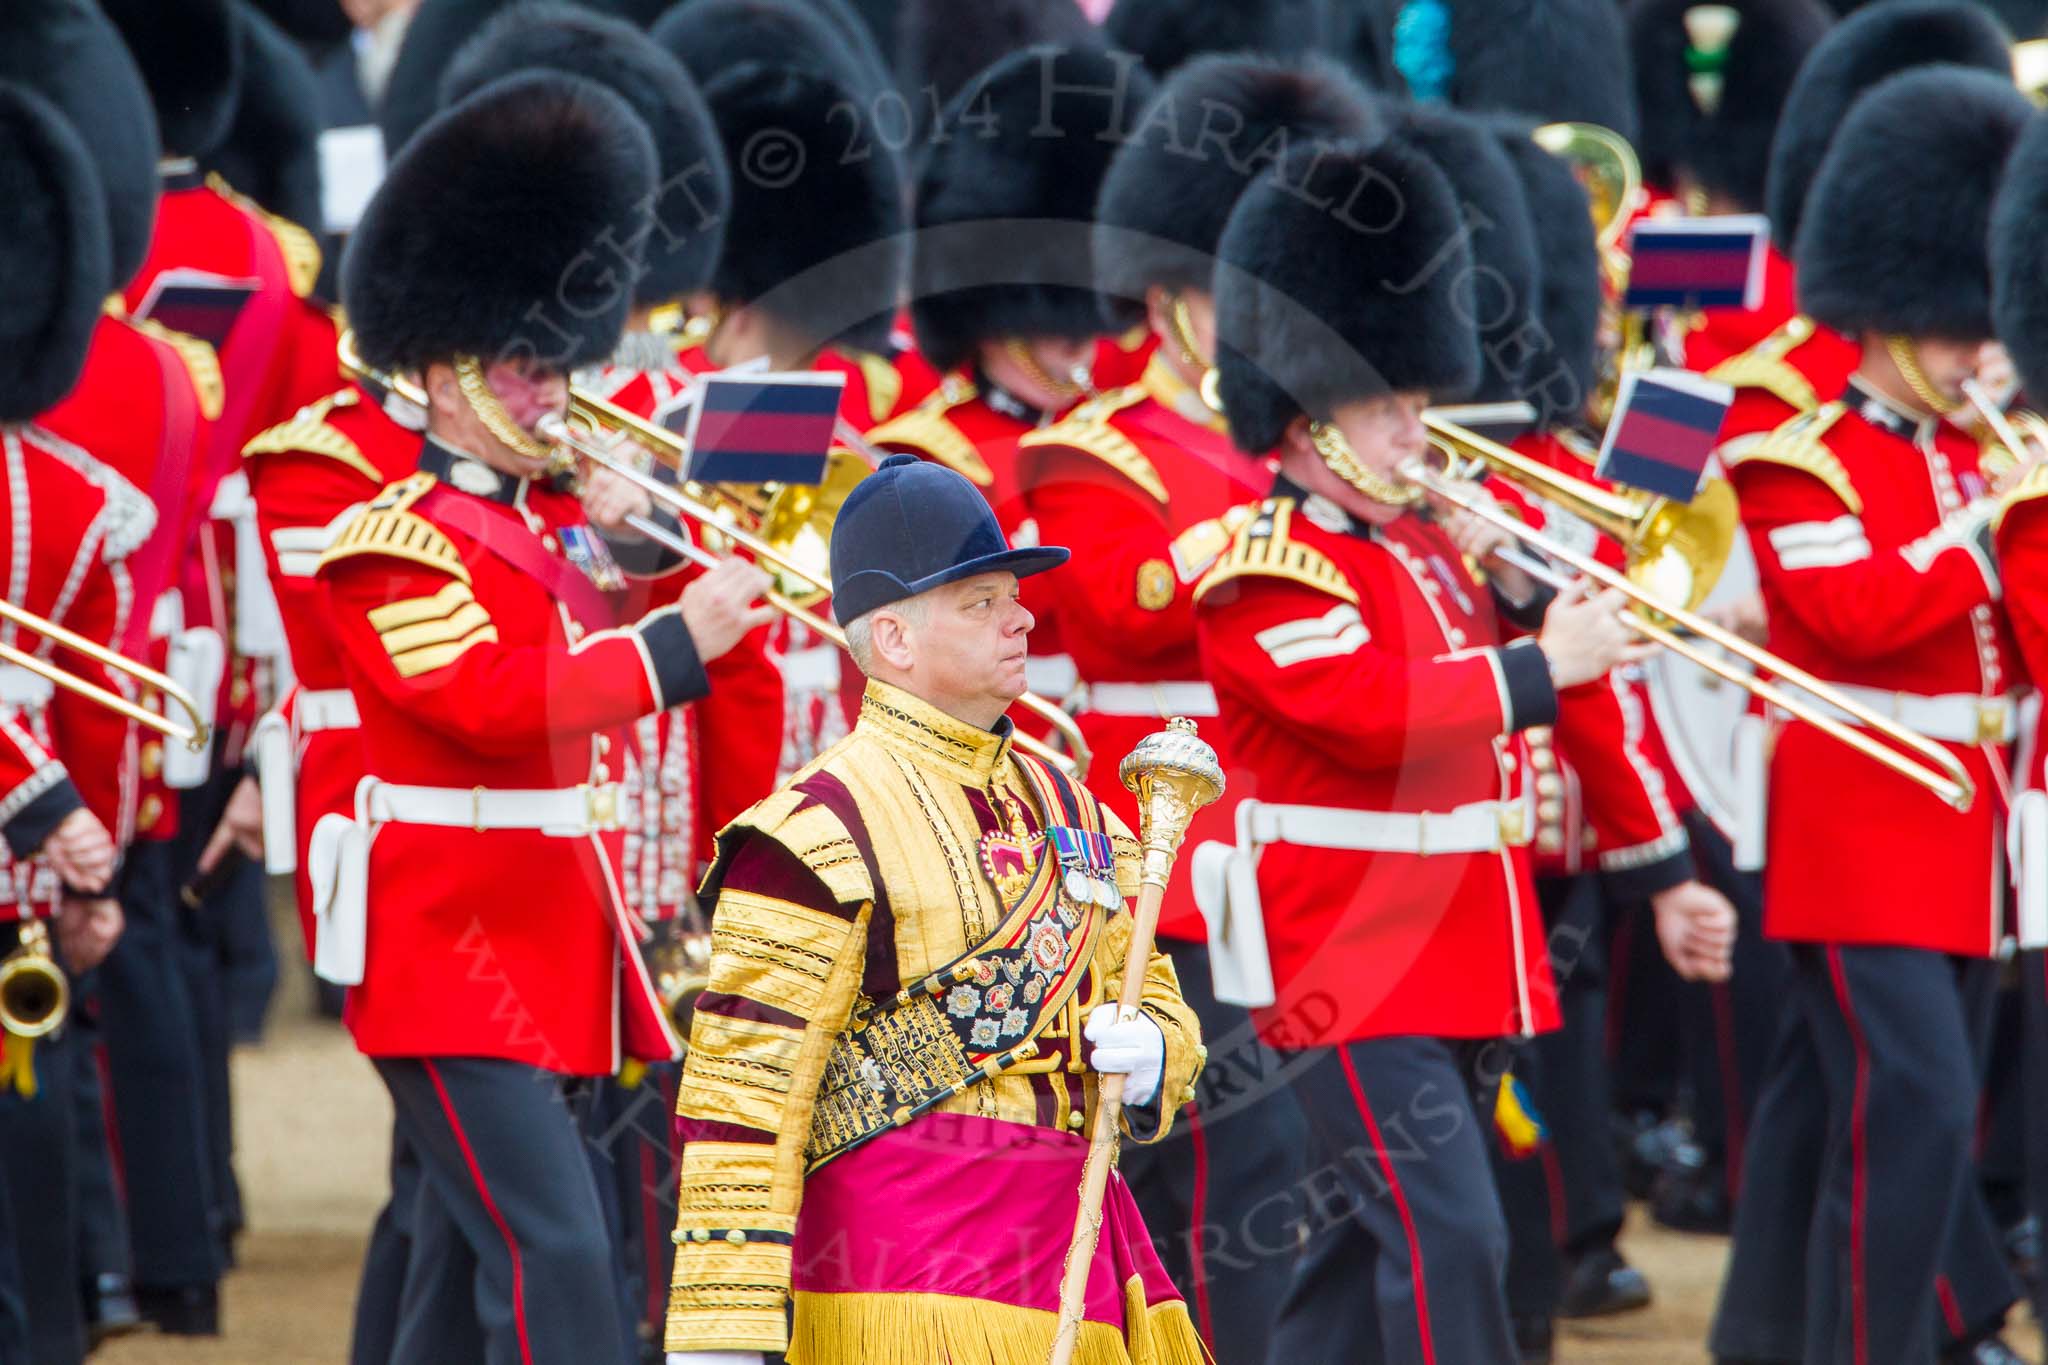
x,y
783,976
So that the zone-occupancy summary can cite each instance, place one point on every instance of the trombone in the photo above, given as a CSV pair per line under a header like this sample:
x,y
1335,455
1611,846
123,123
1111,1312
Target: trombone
x,y
791,511
1676,550
191,732
1926,763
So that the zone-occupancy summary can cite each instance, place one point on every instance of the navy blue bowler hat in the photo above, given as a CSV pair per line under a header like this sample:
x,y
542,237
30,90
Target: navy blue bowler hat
x,y
912,526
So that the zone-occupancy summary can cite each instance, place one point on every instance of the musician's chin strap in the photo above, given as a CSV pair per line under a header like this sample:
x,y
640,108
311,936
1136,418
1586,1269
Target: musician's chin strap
x,y
490,410
1907,360
1343,461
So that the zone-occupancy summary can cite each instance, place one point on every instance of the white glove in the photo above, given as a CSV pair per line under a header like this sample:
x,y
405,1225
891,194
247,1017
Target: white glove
x,y
1134,1048
714,1358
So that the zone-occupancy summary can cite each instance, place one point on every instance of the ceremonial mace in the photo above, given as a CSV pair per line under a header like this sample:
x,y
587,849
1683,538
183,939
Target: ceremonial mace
x,y
1174,774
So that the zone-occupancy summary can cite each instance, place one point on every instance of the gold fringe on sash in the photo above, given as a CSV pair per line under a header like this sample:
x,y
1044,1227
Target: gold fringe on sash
x,y
943,1329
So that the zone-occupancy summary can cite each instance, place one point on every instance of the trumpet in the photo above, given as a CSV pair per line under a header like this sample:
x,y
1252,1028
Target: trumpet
x,y
1676,550
680,962
790,516
2006,434
34,996
1911,755
191,732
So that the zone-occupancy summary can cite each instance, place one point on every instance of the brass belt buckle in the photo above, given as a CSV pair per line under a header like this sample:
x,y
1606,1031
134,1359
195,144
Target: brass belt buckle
x,y
1514,826
601,805
1992,715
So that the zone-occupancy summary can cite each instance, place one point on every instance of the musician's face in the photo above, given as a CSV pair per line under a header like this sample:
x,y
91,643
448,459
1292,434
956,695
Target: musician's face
x,y
1043,374
529,391
1946,364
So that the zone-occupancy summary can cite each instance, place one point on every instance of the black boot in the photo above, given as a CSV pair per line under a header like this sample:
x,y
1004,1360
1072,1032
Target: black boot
x,y
1599,1283
110,1308
184,1310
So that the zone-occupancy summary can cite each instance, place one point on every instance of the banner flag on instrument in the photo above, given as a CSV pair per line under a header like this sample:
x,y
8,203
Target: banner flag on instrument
x,y
1664,428
763,428
1698,262
198,303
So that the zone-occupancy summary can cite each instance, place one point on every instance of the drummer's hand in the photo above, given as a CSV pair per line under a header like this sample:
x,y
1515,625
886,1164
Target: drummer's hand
x,y
609,498
1696,929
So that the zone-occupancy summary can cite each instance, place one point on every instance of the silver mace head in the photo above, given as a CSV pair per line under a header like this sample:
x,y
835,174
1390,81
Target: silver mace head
x,y
1173,773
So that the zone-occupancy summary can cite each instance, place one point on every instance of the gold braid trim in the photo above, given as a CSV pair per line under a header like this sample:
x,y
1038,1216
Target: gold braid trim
x,y
1764,366
1087,431
201,361
1262,549
385,527
918,1329
926,430
300,248
310,433
1800,444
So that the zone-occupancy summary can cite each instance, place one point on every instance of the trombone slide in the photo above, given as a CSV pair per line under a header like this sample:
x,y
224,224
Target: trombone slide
x,y
1929,764
193,735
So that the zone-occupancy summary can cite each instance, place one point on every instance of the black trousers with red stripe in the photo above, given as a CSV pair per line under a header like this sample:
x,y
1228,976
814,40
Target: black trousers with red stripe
x,y
1407,1248
1219,1194
505,1179
1859,1187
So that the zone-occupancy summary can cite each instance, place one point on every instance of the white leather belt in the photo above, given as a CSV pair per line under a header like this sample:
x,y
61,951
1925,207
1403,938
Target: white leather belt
x,y
815,669
1051,676
332,709
1481,827
1161,700
19,687
1958,717
565,812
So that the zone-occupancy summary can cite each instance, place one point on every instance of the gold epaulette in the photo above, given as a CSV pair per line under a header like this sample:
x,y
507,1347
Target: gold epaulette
x,y
1087,429
1262,548
386,526
1763,366
815,837
1801,444
884,381
309,433
2032,485
202,362
927,430
300,248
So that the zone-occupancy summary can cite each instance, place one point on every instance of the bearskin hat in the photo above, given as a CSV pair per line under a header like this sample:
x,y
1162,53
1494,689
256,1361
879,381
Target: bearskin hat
x,y
2019,259
1362,36
191,59
1855,55
272,150
1549,60
1338,281
1503,287
437,31
1897,227
1004,221
1712,110
1569,297
1167,34
54,250
816,235
696,193
943,45
431,272
67,52
1171,187
317,23
713,36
